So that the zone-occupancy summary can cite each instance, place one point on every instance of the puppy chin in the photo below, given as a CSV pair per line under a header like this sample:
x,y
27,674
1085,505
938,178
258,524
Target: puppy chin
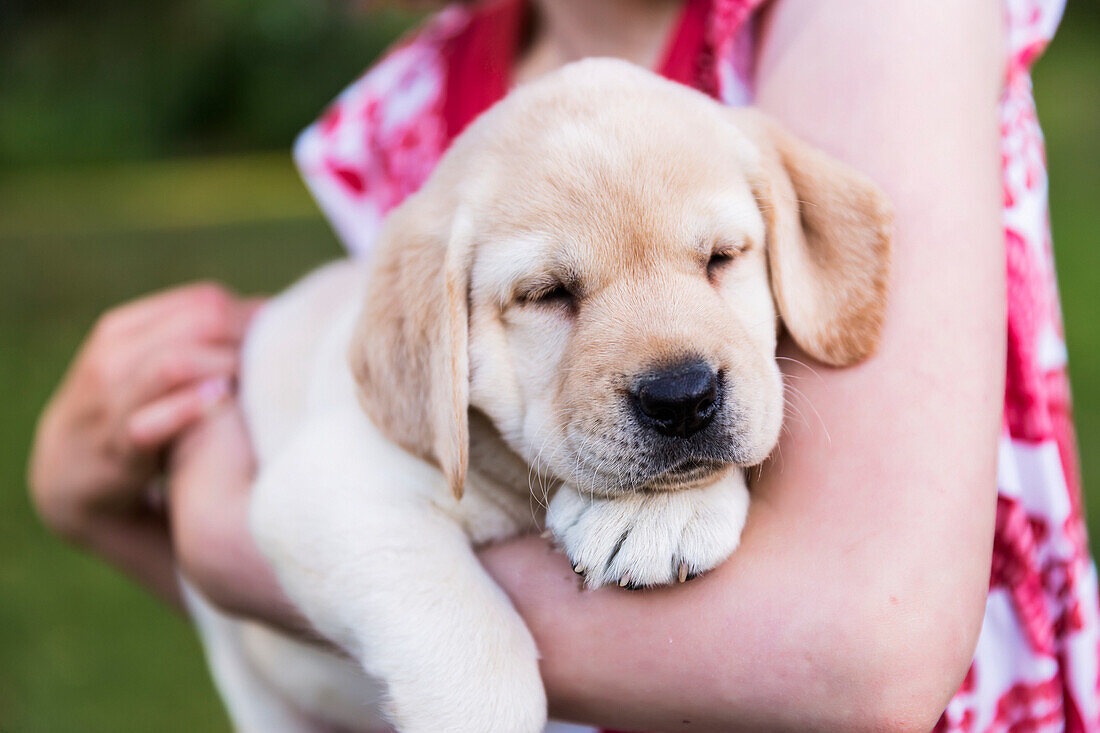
x,y
691,474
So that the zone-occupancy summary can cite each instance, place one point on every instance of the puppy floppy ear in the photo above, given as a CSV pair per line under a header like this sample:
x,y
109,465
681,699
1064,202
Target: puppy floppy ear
x,y
829,232
408,354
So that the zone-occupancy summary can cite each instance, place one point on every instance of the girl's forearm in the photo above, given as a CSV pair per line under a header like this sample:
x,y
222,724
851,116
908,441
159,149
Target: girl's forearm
x,y
784,636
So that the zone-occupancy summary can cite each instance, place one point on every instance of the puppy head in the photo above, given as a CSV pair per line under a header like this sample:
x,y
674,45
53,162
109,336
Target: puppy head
x,y
600,264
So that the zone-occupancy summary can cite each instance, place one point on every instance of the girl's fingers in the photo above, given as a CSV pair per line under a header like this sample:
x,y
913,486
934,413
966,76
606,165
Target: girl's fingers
x,y
184,345
202,311
158,422
140,313
174,367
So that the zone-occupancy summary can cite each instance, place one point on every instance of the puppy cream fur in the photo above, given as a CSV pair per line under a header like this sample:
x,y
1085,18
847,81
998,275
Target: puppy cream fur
x,y
598,226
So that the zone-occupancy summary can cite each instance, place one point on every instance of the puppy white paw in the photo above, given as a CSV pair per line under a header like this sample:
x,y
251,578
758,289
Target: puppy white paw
x,y
646,539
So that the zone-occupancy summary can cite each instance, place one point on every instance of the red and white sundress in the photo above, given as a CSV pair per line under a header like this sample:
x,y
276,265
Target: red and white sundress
x,y
1036,664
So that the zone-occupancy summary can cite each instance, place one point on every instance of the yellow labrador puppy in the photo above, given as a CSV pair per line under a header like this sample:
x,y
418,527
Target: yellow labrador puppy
x,y
582,302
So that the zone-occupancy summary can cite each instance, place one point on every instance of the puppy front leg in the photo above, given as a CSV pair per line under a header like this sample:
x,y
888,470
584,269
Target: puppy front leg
x,y
350,526
650,538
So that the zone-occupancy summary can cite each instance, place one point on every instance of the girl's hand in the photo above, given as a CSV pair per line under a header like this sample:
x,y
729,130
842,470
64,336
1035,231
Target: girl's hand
x,y
148,370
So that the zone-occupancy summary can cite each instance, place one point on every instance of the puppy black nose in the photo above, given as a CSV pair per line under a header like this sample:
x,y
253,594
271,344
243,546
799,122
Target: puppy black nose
x,y
679,401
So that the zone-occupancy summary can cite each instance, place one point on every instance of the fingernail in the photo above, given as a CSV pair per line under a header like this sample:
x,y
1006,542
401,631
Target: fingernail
x,y
213,390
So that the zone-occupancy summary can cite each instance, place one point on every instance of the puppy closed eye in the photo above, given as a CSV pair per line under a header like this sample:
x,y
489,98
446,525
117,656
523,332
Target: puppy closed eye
x,y
721,258
549,295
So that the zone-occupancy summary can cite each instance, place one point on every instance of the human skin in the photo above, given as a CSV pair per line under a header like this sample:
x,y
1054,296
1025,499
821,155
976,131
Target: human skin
x,y
855,599
148,371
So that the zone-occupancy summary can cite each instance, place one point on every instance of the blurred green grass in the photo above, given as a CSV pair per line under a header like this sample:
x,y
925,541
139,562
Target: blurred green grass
x,y
81,649
1067,92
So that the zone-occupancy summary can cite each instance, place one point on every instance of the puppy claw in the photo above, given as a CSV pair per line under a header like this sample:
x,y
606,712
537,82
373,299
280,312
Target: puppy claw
x,y
578,569
547,534
683,571
625,580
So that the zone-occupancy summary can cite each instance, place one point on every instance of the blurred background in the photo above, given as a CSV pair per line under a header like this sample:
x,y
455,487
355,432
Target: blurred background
x,y
146,143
